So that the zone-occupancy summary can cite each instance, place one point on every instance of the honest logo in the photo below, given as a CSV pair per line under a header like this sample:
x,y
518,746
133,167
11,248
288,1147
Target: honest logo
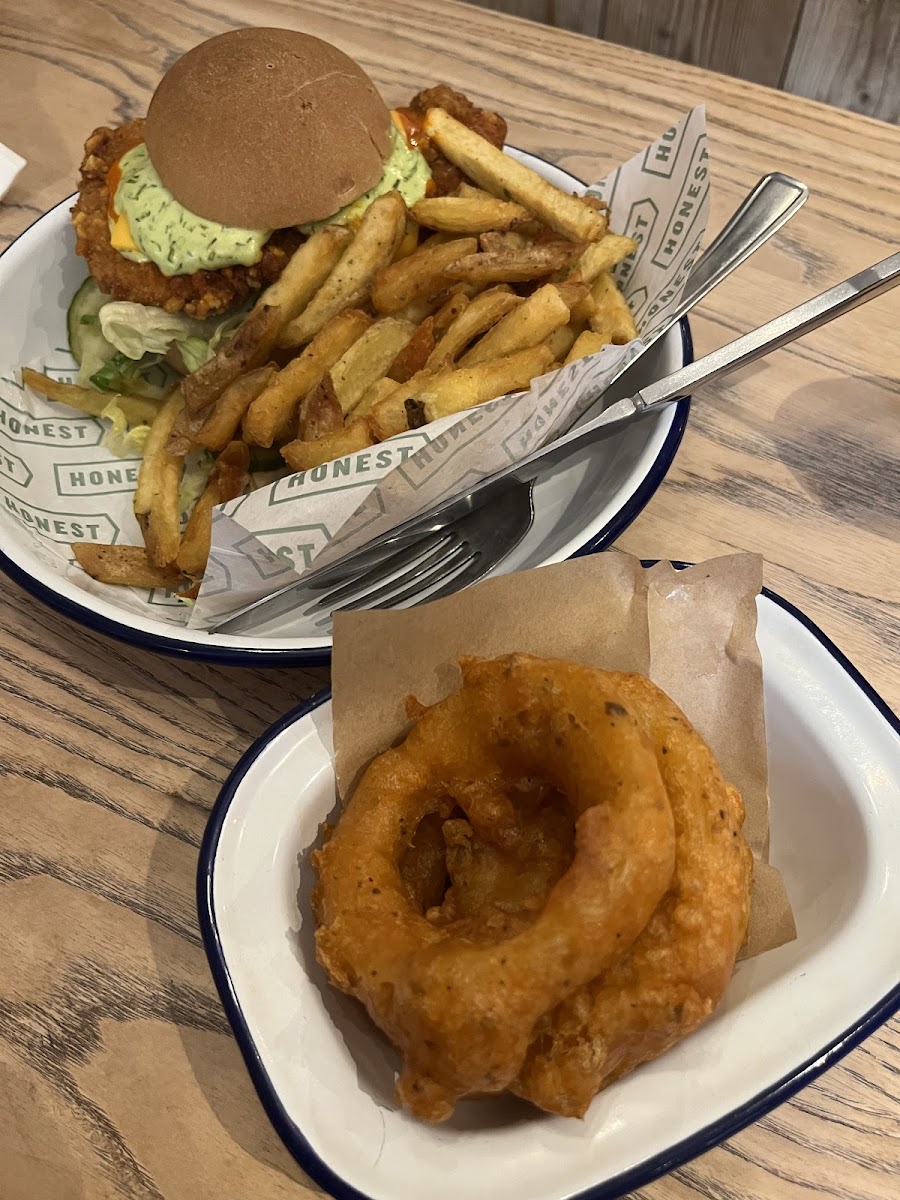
x,y
20,427
96,478
62,526
14,468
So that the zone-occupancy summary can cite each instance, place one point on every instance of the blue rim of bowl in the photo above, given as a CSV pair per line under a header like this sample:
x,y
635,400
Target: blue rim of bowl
x,y
637,1177
252,656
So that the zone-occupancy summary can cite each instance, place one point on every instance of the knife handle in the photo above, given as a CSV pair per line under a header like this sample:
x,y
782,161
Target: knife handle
x,y
840,299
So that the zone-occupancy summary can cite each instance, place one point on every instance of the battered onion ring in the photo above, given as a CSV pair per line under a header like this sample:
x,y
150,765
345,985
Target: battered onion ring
x,y
461,1012
677,971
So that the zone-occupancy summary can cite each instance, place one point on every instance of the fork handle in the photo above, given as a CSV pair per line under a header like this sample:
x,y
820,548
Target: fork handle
x,y
778,332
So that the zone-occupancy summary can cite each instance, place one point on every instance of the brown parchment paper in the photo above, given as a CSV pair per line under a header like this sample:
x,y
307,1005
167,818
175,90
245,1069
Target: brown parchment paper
x,y
693,632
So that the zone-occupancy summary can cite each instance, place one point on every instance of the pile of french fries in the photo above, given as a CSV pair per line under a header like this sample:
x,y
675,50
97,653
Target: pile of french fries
x,y
414,315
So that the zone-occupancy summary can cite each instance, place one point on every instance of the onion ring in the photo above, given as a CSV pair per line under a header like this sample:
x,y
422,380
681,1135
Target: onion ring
x,y
676,972
462,1010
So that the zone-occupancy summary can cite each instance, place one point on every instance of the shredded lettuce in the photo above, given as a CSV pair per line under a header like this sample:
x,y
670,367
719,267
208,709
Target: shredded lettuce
x,y
138,329
121,440
197,467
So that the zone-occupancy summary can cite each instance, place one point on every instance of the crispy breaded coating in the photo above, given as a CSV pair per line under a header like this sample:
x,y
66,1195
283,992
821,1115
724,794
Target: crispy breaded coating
x,y
490,125
202,294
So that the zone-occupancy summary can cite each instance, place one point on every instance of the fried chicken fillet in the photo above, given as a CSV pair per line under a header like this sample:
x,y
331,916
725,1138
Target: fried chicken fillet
x,y
202,294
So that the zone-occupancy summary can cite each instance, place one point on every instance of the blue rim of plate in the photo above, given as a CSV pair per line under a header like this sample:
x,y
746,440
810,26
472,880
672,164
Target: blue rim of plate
x,y
252,656
637,1177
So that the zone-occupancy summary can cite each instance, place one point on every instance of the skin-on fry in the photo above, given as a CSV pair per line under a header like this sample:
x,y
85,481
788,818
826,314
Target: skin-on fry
x,y
502,176
465,214
586,343
413,356
320,412
248,347
228,411
374,246
227,479
137,409
611,316
531,323
389,416
456,302
125,566
369,358
306,271
274,408
511,239
561,341
514,266
380,390
601,256
159,480
421,274
303,456
474,385
480,314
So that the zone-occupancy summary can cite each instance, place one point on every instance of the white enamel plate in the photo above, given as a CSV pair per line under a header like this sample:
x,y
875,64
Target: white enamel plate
x,y
578,509
325,1074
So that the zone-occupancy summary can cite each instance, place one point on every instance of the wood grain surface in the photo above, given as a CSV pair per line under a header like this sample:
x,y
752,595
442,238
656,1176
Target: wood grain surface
x,y
118,1074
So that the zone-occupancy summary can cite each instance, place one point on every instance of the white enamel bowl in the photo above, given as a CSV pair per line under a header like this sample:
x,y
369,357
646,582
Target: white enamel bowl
x,y
577,510
325,1075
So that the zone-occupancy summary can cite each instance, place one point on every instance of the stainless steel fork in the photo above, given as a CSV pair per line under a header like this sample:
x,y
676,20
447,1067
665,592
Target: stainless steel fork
x,y
462,552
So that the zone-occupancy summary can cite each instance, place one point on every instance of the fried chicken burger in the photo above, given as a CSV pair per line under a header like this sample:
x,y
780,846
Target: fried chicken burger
x,y
251,140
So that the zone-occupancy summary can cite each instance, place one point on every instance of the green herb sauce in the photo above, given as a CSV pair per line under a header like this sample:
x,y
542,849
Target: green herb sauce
x,y
178,241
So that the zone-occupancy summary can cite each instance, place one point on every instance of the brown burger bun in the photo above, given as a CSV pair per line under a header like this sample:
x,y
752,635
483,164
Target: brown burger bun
x,y
266,128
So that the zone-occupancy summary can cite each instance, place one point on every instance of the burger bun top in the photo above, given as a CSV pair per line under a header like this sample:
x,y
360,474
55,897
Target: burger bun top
x,y
266,128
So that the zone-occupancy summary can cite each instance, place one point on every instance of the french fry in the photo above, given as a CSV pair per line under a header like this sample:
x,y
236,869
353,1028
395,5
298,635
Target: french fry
x,y
248,347
379,390
573,294
561,341
600,256
159,480
388,416
458,301
306,271
514,266
369,358
468,386
467,214
503,176
228,411
480,314
320,412
611,316
227,479
304,456
510,239
275,407
412,358
586,343
137,409
529,324
410,240
420,275
124,566
373,247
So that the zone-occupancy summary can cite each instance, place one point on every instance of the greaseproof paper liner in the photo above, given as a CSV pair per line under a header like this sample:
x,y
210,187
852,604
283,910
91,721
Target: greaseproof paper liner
x,y
692,632
61,485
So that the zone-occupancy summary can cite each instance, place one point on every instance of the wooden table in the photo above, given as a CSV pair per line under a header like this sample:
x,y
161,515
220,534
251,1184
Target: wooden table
x,y
118,1074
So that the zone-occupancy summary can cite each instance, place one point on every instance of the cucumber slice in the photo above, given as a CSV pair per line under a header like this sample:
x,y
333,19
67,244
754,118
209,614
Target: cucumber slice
x,y
89,347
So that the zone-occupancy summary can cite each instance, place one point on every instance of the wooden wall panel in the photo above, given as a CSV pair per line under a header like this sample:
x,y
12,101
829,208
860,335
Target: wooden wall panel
x,y
844,52
747,38
847,53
